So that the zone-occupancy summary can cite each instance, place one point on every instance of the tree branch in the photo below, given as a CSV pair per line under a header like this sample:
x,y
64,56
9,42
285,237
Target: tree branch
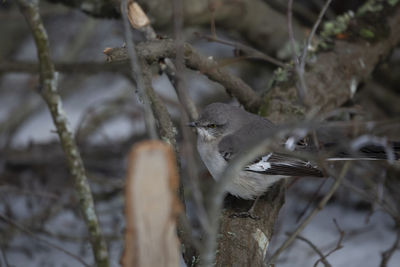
x,y
305,222
48,78
39,239
334,75
160,49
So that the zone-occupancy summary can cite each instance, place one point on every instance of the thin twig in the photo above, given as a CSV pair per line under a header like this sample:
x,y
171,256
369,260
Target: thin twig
x,y
387,254
311,200
374,199
300,64
49,92
311,36
302,87
338,244
212,6
179,81
250,52
37,238
4,256
137,74
185,100
320,206
315,248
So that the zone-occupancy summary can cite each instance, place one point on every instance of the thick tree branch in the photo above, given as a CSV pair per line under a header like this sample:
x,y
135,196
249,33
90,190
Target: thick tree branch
x,y
159,49
330,86
333,77
48,77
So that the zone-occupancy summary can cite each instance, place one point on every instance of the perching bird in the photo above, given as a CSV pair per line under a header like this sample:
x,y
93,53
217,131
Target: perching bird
x,y
224,131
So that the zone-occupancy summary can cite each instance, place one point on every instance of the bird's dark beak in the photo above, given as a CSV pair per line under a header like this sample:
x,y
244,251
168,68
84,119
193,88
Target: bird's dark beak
x,y
192,124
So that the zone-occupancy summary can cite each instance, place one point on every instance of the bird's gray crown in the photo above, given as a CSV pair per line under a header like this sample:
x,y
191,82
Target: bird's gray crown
x,y
218,119
222,114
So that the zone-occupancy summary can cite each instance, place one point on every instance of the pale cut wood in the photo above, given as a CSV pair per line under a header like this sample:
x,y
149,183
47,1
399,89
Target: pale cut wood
x,y
151,207
136,15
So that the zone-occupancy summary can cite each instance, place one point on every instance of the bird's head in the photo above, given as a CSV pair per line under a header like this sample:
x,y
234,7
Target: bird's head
x,y
214,122
219,120
210,127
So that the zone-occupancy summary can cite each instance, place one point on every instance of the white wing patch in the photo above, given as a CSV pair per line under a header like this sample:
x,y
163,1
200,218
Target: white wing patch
x,y
260,165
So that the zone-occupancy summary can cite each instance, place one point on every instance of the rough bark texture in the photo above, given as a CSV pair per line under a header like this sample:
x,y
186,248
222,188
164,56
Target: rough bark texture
x,y
159,49
329,81
244,241
49,93
330,77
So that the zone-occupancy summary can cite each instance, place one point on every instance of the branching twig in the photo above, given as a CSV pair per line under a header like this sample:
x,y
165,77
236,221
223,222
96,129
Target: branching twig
x,y
154,107
249,52
321,204
315,248
166,129
137,74
155,50
48,77
374,199
386,255
300,64
4,256
30,233
301,88
311,36
186,101
338,244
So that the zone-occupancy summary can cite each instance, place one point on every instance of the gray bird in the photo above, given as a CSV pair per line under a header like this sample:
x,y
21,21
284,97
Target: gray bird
x,y
224,131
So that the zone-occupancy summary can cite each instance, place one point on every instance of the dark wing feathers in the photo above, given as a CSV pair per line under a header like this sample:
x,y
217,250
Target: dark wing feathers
x,y
271,164
280,164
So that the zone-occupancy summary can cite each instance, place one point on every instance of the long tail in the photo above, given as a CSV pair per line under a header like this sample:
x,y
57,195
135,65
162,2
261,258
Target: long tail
x,y
369,152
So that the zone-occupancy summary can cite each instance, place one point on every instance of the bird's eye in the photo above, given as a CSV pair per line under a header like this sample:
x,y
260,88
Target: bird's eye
x,y
212,125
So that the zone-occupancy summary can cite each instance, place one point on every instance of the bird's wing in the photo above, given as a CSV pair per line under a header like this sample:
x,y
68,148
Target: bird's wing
x,y
280,164
270,163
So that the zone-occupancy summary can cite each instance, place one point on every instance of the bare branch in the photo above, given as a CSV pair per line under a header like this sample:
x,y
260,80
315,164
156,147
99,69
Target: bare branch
x,y
329,84
137,74
301,87
42,240
386,255
311,36
155,50
249,52
48,77
315,248
338,244
305,222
